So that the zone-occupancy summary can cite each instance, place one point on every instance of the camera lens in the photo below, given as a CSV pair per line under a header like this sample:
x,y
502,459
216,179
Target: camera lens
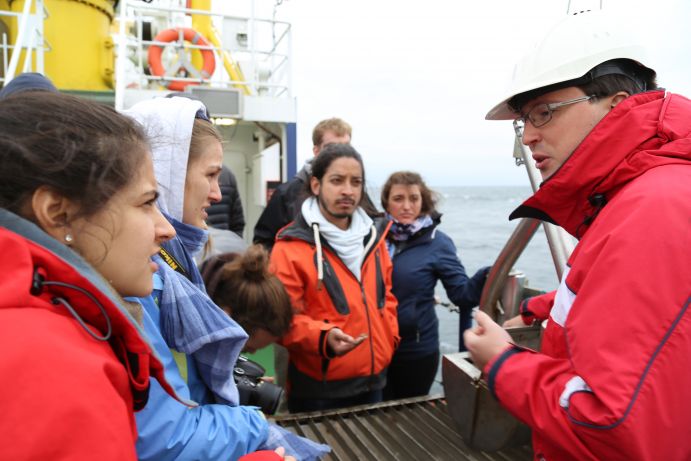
x,y
253,391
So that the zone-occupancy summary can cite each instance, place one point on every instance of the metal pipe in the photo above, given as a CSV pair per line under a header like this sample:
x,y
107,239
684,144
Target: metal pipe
x,y
150,7
14,61
120,74
508,256
40,49
28,54
4,57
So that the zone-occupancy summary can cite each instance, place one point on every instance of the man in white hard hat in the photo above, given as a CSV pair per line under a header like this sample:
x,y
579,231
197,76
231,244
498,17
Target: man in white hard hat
x,y
613,378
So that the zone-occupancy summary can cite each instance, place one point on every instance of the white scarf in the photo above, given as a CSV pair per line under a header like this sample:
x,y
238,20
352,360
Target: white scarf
x,y
349,243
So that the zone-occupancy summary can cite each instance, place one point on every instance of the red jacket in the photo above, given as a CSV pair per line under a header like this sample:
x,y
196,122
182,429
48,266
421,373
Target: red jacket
x,y
537,308
613,379
340,300
64,393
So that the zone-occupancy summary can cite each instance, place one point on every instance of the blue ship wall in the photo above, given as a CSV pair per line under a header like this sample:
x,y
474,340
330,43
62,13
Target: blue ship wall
x,y
291,135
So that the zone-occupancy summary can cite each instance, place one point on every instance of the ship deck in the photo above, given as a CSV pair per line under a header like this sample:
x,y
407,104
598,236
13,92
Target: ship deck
x,y
411,429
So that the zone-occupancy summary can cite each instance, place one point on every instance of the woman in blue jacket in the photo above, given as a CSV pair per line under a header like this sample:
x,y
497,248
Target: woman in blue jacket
x,y
422,255
196,340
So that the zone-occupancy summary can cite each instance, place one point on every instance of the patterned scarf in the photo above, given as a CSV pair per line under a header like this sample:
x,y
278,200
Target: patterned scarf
x,y
400,232
191,323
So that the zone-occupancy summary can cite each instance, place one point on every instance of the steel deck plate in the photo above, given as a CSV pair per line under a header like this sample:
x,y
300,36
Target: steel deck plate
x,y
411,429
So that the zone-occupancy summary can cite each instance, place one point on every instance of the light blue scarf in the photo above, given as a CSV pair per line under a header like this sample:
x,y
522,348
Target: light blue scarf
x,y
191,323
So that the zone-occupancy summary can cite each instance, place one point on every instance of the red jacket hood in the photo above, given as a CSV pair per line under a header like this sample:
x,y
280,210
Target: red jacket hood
x,y
644,131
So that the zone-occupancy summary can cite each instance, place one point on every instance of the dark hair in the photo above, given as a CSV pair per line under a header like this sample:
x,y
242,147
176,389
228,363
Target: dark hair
x,y
409,178
323,161
82,150
243,286
202,131
603,80
336,125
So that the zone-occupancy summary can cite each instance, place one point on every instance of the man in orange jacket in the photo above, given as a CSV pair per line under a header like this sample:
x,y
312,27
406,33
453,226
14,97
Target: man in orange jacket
x,y
334,264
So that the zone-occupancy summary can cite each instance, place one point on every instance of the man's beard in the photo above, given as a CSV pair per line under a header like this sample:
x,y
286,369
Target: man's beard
x,y
324,208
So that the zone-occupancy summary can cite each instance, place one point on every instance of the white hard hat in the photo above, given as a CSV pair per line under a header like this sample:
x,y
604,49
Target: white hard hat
x,y
570,49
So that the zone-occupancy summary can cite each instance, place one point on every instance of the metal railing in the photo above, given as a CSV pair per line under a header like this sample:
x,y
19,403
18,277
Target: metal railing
x,y
29,39
561,244
262,67
498,275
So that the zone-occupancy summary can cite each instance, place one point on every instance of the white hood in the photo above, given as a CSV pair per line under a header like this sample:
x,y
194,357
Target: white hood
x,y
168,124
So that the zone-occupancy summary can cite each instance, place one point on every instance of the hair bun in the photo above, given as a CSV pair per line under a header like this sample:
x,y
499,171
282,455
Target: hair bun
x,y
255,262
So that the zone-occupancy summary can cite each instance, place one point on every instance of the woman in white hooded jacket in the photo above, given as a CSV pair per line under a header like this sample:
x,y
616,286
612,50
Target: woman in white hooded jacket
x,y
199,343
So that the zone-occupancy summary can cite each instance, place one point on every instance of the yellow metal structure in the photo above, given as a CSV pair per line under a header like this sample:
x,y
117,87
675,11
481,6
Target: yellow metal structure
x,y
202,24
79,50
4,29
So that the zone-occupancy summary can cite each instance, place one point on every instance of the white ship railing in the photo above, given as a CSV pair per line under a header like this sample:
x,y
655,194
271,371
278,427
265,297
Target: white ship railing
x,y
263,65
29,39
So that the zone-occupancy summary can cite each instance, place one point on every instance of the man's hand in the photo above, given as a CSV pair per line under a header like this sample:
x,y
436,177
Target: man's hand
x,y
340,343
486,340
514,322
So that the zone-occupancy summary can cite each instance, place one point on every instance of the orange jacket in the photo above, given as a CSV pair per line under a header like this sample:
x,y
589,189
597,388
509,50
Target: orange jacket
x,y
339,300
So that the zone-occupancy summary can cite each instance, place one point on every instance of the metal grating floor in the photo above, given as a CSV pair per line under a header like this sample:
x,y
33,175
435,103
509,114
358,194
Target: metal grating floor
x,y
412,429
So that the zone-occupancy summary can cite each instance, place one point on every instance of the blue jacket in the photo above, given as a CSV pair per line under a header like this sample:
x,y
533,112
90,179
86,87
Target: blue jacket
x,y
168,430
418,263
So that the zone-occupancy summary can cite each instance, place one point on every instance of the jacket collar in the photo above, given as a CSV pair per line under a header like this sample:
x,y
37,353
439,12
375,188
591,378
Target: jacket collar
x,y
33,233
625,144
300,230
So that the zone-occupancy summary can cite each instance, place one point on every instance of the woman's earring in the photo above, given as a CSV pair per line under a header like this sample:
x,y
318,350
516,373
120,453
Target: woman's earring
x,y
68,238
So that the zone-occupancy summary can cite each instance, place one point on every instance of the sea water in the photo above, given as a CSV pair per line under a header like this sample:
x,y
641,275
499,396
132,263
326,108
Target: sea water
x,y
476,219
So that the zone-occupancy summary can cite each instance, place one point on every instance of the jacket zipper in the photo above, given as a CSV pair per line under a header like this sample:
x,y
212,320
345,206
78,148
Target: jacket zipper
x,y
325,361
364,299
369,331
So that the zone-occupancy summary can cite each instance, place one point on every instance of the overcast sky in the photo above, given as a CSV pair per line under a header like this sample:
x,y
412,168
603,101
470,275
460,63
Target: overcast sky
x,y
415,79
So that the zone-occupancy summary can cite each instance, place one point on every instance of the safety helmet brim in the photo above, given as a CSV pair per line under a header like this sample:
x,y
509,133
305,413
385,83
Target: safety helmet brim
x,y
569,50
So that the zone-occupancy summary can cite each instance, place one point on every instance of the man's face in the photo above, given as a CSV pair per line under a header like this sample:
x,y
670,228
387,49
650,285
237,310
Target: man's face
x,y
553,143
339,191
330,138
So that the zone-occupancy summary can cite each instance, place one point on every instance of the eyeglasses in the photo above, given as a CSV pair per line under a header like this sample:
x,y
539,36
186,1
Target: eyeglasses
x,y
540,114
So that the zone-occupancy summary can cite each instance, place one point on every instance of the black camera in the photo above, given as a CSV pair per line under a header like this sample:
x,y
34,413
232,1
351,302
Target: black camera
x,y
254,391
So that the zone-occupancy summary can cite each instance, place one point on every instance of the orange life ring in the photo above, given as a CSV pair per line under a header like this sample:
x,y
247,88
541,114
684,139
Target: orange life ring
x,y
172,35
